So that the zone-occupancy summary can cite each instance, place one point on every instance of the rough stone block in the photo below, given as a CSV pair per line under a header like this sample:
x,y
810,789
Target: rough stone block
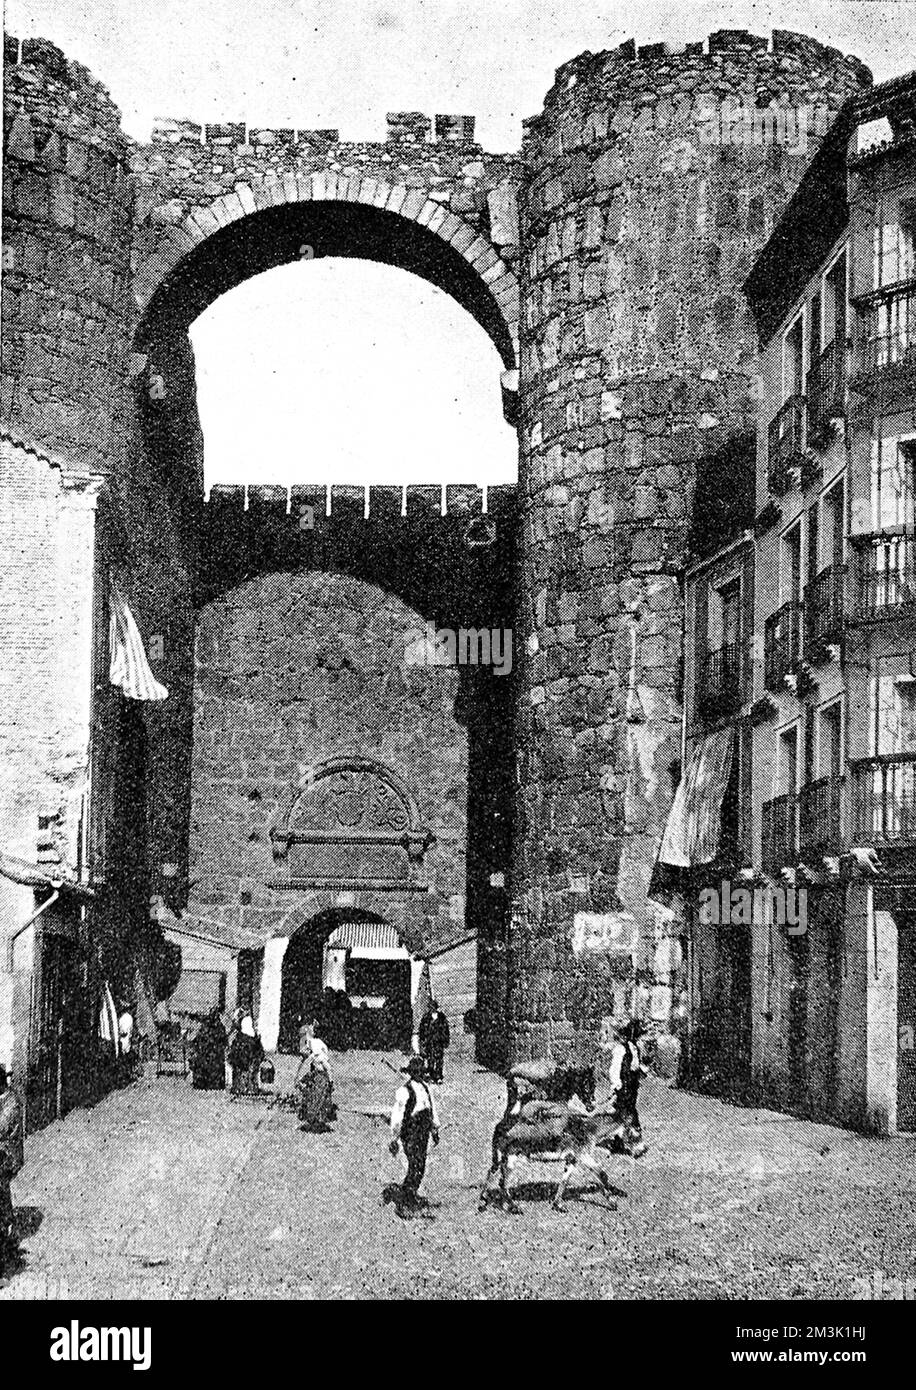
x,y
347,502
171,132
384,503
463,499
225,133
424,500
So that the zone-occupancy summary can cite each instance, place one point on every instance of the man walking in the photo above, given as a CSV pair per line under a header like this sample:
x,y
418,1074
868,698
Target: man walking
x,y
434,1038
626,1072
11,1160
413,1119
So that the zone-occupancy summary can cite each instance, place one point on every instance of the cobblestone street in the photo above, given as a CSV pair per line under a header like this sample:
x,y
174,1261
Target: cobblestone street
x,y
163,1192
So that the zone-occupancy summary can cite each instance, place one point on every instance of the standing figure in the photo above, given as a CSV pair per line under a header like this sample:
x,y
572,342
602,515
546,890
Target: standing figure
x,y
11,1160
314,1085
434,1038
627,1071
208,1054
414,1119
245,1056
127,1053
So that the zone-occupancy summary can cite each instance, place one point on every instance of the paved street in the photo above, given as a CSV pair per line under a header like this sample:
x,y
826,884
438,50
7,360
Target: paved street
x,y
163,1192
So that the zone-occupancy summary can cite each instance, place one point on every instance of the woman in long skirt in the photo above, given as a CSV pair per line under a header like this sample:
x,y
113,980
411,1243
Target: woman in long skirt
x,y
245,1056
315,1089
208,1054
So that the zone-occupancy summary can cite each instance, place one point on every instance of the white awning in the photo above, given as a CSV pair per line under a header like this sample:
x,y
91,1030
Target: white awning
x,y
369,941
694,826
129,668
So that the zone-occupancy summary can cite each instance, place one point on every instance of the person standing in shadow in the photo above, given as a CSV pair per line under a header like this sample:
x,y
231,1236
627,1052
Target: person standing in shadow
x,y
11,1160
208,1054
434,1038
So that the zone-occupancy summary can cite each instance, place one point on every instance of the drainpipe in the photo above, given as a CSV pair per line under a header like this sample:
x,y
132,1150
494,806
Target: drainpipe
x,y
10,956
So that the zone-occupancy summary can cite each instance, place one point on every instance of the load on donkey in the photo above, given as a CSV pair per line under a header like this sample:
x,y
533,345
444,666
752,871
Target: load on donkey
x,y
550,1115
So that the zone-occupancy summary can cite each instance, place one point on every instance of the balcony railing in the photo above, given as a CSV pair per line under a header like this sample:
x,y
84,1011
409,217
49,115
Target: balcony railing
x,y
884,799
890,331
781,644
823,612
780,832
885,575
721,681
821,815
785,439
826,389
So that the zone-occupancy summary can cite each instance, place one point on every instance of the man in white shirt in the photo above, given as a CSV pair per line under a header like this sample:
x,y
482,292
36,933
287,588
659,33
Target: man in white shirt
x,y
127,1059
626,1071
413,1119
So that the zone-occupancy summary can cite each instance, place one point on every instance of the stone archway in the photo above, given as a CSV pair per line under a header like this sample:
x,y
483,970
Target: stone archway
x,y
370,968
180,268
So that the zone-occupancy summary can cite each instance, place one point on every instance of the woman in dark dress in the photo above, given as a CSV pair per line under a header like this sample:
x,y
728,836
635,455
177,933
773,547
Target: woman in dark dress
x,y
208,1054
245,1057
314,1088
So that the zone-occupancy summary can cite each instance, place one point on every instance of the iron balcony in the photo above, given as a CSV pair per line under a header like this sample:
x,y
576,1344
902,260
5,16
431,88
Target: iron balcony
x,y
782,633
890,331
825,388
721,685
821,816
779,842
824,612
884,799
885,575
785,439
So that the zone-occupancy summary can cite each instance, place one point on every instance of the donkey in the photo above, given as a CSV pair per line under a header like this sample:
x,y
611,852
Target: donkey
x,y
545,1131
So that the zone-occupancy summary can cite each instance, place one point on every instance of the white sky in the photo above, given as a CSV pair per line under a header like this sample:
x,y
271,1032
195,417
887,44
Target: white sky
x,y
345,371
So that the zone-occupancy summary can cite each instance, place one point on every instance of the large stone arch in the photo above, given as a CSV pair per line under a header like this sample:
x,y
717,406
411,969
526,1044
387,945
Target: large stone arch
x,y
309,921
265,224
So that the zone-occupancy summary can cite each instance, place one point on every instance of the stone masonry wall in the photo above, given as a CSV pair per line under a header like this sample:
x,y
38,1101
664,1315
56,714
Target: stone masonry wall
x,y
651,183
188,166
68,213
293,669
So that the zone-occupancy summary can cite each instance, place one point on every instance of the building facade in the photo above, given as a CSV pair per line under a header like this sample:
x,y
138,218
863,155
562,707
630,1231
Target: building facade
x,y
801,657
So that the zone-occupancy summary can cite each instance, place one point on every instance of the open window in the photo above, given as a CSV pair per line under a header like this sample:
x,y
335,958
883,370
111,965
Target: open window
x,y
790,576
787,762
895,247
793,360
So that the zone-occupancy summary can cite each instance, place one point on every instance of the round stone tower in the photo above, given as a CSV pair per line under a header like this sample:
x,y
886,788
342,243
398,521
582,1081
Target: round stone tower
x,y
68,223
653,179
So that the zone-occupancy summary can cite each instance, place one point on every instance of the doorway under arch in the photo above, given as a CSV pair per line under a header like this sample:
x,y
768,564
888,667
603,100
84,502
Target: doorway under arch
x,y
348,969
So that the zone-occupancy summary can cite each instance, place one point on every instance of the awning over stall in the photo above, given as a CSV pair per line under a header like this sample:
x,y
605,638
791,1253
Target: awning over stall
x,y
694,826
369,940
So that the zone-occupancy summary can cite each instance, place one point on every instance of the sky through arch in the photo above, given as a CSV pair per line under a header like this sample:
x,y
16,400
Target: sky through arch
x,y
343,370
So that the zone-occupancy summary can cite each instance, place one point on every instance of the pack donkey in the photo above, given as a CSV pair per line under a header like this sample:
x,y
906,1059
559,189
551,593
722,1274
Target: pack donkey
x,y
540,1130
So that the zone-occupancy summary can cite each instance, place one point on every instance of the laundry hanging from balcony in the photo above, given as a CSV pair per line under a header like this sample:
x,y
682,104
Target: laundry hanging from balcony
x,y
129,668
694,827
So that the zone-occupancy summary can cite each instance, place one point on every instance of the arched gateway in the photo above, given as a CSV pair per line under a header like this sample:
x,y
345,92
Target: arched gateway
x,y
605,261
